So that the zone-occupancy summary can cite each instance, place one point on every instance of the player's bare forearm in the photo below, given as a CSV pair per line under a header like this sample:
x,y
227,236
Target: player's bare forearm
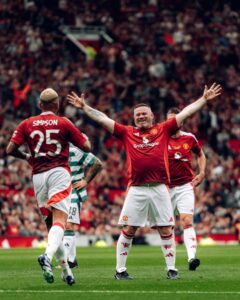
x,y
93,170
94,114
91,173
208,94
202,166
12,149
99,117
189,110
202,163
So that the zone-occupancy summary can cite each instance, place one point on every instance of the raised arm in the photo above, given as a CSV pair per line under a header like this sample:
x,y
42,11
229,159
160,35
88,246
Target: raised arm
x,y
208,94
99,117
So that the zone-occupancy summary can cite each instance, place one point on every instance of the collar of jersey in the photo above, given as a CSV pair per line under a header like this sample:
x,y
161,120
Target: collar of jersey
x,y
47,113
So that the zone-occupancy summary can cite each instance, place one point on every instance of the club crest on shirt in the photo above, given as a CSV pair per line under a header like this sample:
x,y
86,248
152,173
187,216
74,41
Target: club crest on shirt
x,y
185,146
153,131
125,218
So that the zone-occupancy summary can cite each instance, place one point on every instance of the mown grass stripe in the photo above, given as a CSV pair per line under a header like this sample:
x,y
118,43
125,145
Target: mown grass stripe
x,y
122,292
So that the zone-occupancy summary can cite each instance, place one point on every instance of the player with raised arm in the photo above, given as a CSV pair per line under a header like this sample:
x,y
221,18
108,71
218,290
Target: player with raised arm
x,y
148,197
84,167
181,145
47,137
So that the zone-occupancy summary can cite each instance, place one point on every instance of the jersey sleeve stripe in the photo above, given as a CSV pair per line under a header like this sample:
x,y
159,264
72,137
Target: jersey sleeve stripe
x,y
92,161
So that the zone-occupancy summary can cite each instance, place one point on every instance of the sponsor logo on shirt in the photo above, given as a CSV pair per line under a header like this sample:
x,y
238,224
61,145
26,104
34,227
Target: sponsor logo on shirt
x,y
145,140
141,146
45,122
177,155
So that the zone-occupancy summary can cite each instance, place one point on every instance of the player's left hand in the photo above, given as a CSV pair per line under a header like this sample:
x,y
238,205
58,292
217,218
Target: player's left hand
x,y
80,184
198,179
212,92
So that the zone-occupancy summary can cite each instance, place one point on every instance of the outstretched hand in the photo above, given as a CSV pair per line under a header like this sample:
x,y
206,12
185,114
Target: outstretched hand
x,y
76,101
214,91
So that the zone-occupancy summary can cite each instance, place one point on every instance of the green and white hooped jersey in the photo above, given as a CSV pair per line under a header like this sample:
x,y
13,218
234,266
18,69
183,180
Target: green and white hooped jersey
x,y
78,160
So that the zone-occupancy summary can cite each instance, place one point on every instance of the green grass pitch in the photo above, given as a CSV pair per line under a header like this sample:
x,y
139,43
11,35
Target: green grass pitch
x,y
218,277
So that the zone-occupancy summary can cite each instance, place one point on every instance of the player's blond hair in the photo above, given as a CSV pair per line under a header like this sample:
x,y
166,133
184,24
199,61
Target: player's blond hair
x,y
48,95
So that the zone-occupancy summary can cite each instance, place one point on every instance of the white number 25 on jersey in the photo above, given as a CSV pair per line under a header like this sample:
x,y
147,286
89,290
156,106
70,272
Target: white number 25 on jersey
x,y
47,140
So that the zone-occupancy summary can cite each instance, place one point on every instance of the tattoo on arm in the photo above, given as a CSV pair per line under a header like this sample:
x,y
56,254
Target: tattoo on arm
x,y
95,114
100,117
93,171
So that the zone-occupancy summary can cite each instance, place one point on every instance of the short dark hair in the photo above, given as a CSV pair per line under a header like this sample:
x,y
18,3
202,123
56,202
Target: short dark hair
x,y
173,110
140,105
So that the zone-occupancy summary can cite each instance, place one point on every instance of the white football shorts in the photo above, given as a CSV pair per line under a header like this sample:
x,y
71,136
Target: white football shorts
x,y
147,205
53,189
74,213
183,199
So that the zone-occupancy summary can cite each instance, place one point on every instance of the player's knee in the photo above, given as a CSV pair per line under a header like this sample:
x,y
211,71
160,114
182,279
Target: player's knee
x,y
129,230
165,231
187,221
69,226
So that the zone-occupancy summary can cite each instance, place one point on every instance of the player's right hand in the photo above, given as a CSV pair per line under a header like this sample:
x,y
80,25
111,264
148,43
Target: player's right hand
x,y
80,184
198,179
76,101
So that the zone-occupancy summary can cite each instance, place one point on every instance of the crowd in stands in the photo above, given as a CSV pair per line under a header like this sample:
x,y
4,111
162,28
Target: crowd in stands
x,y
162,53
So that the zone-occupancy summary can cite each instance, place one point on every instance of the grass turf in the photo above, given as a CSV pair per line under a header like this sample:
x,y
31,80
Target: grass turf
x,y
216,278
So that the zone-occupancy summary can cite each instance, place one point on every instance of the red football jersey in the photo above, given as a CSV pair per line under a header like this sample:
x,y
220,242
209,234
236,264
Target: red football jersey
x,y
146,150
47,136
180,155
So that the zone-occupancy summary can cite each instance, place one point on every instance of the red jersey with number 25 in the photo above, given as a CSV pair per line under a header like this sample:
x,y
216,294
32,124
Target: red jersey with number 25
x,y
180,150
146,150
47,136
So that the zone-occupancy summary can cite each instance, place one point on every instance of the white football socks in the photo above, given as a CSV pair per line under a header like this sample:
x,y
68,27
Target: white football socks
x,y
69,244
190,241
72,253
55,237
123,247
169,251
61,256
